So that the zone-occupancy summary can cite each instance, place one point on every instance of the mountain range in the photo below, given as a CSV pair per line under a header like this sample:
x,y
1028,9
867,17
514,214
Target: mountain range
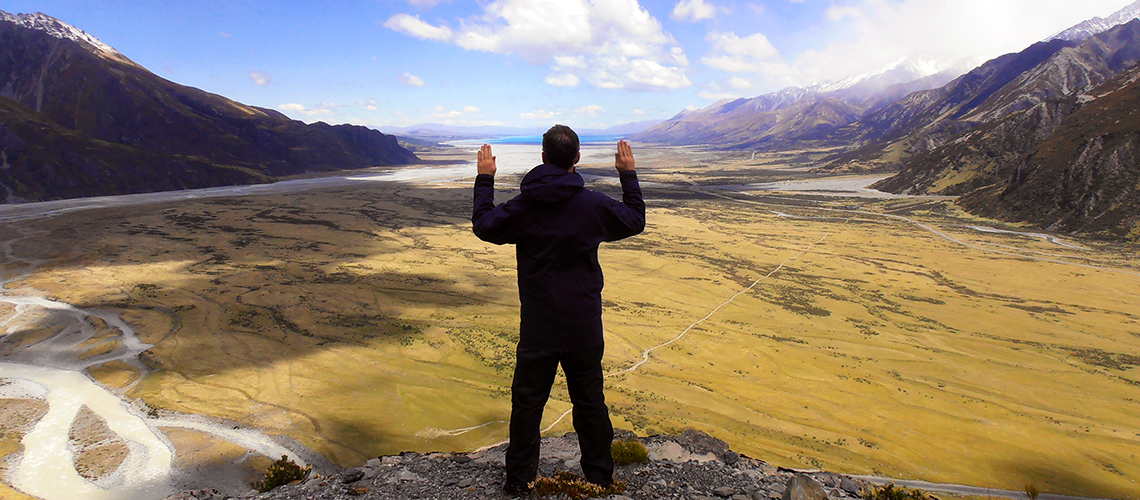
x,y
796,115
78,118
1031,136
441,132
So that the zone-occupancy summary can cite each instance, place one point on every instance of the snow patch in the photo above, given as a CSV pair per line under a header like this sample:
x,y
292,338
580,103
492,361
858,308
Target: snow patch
x,y
59,29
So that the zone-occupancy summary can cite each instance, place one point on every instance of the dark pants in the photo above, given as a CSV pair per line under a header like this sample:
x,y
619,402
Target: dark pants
x,y
534,375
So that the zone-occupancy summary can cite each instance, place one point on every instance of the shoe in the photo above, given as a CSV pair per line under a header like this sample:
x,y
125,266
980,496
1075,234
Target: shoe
x,y
515,489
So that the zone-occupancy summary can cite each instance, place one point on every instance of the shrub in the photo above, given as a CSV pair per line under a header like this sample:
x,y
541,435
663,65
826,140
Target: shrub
x,y
282,472
890,492
573,486
628,451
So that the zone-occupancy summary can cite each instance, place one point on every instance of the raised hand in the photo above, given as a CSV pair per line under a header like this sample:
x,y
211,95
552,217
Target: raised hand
x,y
623,159
486,162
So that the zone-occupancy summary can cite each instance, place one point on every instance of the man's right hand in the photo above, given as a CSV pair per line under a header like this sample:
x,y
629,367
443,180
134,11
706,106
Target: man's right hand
x,y
624,160
486,162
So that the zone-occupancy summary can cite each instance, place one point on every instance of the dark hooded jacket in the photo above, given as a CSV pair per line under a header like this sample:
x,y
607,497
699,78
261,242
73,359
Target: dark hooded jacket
x,y
557,225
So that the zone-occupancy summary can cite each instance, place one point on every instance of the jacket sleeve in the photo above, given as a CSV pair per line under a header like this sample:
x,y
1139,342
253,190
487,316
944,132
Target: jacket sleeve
x,y
628,217
490,223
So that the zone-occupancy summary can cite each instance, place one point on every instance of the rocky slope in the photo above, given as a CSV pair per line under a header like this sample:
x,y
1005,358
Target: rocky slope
x,y
78,118
689,465
1006,133
1084,177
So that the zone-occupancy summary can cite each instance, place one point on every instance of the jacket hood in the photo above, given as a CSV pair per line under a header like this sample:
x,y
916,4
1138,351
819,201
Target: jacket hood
x,y
548,183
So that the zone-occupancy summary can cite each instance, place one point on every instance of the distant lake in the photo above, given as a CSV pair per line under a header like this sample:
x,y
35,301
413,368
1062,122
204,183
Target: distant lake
x,y
537,139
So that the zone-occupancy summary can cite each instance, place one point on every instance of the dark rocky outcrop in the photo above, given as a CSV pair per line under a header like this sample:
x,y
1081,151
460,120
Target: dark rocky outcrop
x,y
690,465
1083,177
77,118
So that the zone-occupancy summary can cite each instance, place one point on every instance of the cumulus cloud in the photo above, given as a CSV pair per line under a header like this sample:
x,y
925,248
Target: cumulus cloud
x,y
260,78
611,44
411,80
412,25
592,110
561,79
322,109
694,10
638,112
470,109
865,35
538,114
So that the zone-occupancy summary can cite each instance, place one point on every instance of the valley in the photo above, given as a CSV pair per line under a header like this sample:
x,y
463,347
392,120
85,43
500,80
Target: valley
x,y
897,337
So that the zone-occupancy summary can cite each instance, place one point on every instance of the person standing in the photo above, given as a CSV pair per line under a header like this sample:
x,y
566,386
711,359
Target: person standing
x,y
556,225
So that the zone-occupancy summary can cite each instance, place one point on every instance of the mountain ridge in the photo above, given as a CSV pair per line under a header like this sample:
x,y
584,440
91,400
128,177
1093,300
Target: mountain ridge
x,y
160,130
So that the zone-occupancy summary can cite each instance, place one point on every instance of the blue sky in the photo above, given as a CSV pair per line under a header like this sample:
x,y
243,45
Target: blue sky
x,y
585,63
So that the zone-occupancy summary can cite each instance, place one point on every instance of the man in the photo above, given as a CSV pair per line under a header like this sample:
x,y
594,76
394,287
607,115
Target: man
x,y
557,225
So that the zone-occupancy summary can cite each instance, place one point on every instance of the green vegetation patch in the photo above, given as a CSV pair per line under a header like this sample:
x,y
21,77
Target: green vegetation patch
x,y
282,472
629,451
571,485
890,492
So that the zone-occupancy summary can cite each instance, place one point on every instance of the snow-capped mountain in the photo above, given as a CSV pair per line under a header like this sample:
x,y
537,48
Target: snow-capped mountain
x,y
1099,24
77,118
58,29
800,112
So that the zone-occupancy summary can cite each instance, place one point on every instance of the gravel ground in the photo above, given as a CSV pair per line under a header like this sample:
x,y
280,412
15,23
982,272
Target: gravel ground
x,y
692,465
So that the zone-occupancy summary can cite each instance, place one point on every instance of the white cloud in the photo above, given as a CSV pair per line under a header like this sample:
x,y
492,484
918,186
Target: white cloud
x,y
425,4
411,80
412,25
561,80
868,34
694,10
260,78
592,110
638,112
538,114
470,109
716,96
322,109
610,44
737,82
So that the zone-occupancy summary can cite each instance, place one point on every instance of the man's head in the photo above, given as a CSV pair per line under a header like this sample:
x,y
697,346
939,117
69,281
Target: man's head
x,y
560,147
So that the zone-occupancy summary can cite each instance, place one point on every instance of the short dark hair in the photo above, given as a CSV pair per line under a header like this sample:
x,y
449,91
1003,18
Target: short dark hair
x,y
560,144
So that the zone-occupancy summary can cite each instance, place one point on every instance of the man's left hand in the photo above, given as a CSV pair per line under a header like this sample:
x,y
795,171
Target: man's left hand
x,y
486,162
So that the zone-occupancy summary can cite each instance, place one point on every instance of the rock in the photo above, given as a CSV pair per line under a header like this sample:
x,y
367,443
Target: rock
x,y
668,450
619,497
466,482
352,476
730,457
207,494
740,497
373,463
803,487
312,484
357,489
461,459
724,491
778,488
406,476
773,494
846,484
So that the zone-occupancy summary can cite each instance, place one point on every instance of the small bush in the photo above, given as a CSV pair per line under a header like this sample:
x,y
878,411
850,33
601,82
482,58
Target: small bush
x,y
629,451
280,473
573,486
890,492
